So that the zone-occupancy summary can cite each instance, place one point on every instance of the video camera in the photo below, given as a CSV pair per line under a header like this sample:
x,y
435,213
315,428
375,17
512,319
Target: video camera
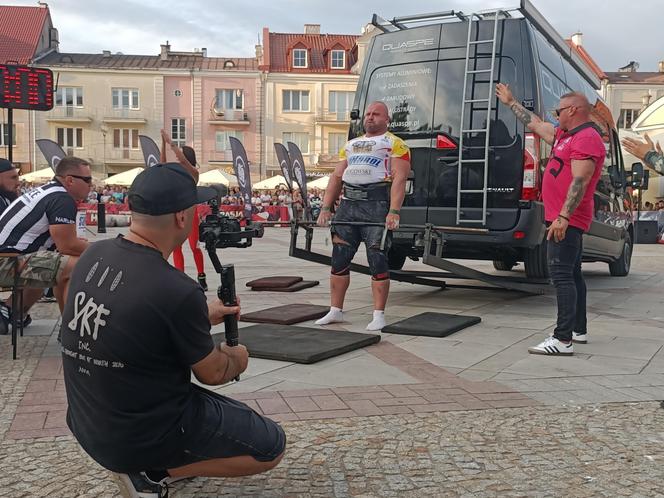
x,y
220,231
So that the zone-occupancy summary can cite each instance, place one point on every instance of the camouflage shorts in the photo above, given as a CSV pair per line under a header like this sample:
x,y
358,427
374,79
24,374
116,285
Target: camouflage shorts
x,y
39,269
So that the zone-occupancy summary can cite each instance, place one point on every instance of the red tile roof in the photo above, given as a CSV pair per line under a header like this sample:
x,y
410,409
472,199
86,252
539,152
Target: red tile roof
x,y
585,56
121,61
20,29
280,46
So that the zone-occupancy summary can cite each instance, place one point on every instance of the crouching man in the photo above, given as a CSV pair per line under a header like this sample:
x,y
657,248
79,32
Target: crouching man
x,y
133,330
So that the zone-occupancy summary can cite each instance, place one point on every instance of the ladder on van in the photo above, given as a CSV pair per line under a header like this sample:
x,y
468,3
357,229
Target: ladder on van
x,y
469,165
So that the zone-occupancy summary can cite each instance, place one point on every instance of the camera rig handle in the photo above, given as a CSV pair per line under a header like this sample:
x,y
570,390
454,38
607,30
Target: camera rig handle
x,y
226,293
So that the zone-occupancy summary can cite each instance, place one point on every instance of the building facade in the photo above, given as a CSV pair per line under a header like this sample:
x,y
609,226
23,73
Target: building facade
x,y
309,88
103,102
26,33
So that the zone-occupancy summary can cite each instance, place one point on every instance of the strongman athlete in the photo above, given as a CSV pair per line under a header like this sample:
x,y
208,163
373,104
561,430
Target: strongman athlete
x,y
372,178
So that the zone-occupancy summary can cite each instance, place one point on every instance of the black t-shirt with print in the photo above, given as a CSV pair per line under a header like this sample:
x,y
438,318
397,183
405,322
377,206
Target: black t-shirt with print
x,y
132,327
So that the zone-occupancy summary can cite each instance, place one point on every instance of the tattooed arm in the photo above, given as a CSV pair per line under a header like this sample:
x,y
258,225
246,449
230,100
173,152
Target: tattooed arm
x,y
545,130
582,173
649,152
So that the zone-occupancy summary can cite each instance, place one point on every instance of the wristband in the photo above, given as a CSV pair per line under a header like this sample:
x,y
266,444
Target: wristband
x,y
563,217
394,211
326,208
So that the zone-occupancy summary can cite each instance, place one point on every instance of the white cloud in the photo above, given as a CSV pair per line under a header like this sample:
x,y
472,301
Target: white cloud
x,y
612,35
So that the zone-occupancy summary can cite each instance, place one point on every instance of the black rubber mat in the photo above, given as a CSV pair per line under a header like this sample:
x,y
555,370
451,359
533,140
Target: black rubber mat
x,y
299,344
432,324
272,282
305,284
287,314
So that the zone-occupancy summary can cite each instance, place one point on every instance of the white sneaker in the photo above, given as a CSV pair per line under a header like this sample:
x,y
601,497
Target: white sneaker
x,y
580,338
552,346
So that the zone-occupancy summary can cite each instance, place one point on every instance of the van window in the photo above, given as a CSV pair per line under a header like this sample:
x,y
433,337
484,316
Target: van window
x,y
548,55
407,90
449,90
552,89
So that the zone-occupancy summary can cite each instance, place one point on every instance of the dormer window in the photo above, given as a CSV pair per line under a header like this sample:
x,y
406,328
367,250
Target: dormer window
x,y
338,59
229,65
299,57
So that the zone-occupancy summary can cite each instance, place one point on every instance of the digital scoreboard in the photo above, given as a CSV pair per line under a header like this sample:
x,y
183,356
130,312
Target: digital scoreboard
x,y
24,87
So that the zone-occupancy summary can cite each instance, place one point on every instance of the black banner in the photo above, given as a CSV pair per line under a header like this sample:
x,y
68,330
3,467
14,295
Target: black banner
x,y
284,164
51,150
299,173
151,154
241,166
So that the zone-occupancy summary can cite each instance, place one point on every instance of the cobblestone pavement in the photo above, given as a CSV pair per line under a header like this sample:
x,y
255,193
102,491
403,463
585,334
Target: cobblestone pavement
x,y
583,451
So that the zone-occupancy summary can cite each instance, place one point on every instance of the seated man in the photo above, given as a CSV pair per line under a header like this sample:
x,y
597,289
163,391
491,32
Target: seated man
x,y
37,224
133,330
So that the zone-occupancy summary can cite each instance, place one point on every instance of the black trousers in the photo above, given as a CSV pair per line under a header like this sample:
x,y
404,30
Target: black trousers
x,y
564,260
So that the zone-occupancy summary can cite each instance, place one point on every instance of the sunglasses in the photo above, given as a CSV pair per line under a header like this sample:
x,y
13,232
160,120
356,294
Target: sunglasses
x,y
86,179
558,111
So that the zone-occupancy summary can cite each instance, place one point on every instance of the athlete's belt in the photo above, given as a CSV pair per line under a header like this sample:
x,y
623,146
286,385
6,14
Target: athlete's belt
x,y
372,192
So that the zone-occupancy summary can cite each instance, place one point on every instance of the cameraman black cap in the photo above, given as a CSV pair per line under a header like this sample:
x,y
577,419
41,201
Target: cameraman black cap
x,y
166,188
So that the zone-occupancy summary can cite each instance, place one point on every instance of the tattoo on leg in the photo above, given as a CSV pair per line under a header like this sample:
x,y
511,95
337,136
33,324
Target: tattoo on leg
x,y
575,194
521,113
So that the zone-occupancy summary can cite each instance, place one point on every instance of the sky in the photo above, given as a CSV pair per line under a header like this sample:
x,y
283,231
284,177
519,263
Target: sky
x,y
613,33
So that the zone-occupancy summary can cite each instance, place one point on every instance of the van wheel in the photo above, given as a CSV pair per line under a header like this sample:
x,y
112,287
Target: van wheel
x,y
504,264
620,267
396,259
535,262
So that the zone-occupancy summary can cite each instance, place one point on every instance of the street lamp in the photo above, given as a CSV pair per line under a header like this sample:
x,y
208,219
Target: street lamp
x,y
104,131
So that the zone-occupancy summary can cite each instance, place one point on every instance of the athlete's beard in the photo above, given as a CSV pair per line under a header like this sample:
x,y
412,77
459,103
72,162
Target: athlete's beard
x,y
9,194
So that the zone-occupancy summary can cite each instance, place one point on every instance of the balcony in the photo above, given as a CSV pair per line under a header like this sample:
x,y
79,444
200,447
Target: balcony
x,y
69,114
333,117
220,156
124,156
129,116
229,116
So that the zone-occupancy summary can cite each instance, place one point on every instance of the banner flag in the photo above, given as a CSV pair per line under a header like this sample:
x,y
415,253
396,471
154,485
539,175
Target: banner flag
x,y
51,150
150,150
299,173
285,164
241,166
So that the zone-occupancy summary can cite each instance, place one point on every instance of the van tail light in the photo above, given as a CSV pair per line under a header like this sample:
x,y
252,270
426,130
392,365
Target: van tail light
x,y
530,190
443,142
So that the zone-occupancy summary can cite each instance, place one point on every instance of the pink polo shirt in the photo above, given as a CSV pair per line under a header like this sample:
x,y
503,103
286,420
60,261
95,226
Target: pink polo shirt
x,y
583,142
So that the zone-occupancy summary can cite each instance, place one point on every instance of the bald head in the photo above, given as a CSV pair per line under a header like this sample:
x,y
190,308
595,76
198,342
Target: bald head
x,y
376,118
578,100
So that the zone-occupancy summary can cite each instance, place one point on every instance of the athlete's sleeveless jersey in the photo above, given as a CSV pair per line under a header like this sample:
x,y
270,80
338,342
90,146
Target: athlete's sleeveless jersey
x,y
370,158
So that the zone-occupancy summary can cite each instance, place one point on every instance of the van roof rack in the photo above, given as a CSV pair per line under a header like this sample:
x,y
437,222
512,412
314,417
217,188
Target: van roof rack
x,y
526,9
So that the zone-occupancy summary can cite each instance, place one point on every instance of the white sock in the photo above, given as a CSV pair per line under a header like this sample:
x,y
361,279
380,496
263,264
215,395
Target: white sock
x,y
335,315
378,321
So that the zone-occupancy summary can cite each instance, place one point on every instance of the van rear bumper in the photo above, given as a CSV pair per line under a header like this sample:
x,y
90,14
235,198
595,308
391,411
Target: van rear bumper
x,y
527,233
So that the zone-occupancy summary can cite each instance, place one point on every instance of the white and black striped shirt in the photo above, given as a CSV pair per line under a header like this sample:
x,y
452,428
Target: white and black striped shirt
x,y
24,225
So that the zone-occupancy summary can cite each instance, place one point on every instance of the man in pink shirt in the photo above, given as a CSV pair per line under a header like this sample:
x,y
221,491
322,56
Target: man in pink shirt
x,y
568,186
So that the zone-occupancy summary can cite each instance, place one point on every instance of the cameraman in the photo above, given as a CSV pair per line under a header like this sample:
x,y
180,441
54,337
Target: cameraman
x,y
133,330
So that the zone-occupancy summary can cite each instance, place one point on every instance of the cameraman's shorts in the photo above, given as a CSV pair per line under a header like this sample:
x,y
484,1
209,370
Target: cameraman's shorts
x,y
362,212
221,427
39,269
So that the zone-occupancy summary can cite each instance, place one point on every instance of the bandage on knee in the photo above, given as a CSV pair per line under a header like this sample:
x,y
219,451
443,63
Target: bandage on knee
x,y
342,254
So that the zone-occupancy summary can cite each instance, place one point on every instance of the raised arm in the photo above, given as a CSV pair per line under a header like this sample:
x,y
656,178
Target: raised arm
x,y
650,153
533,122
182,159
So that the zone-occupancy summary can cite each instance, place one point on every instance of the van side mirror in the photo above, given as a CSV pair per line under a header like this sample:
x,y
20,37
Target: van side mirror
x,y
636,179
355,114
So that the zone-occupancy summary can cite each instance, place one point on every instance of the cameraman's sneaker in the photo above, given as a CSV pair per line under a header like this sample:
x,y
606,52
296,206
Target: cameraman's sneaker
x,y
139,485
202,281
552,346
580,338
